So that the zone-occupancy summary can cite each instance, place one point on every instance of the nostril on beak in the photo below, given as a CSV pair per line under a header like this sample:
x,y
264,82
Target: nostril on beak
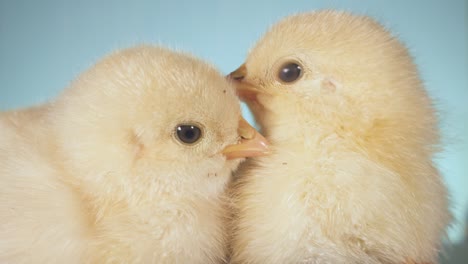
x,y
238,74
235,76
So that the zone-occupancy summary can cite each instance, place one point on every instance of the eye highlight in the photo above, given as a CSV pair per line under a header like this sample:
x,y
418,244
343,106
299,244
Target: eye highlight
x,y
289,72
188,133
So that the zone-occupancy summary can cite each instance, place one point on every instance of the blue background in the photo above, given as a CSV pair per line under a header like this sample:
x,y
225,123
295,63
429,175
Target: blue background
x,y
46,44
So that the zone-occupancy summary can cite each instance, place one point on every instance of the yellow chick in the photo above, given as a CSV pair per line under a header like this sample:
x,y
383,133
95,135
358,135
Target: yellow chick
x,y
352,133
128,165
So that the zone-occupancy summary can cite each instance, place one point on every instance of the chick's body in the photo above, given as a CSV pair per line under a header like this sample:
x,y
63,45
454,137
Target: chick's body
x,y
351,177
100,176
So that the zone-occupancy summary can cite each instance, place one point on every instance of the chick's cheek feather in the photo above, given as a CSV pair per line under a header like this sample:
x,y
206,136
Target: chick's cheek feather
x,y
353,133
127,165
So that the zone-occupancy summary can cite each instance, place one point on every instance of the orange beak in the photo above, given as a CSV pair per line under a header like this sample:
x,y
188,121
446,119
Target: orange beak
x,y
238,74
252,143
244,89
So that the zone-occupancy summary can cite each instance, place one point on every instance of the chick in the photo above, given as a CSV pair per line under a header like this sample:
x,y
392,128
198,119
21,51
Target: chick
x,y
352,133
128,165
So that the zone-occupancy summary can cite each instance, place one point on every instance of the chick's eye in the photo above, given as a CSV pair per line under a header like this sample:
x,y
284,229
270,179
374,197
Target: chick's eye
x,y
290,72
188,134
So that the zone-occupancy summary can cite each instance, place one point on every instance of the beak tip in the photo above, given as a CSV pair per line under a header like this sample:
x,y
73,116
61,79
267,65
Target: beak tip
x,y
253,146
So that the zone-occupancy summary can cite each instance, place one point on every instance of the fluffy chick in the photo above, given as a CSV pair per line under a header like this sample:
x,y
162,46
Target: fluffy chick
x,y
128,165
353,133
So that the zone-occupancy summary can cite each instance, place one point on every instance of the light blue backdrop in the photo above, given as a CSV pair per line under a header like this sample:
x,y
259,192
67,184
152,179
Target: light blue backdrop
x,y
45,44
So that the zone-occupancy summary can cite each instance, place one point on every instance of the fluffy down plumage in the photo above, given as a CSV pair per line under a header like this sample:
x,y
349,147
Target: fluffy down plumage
x,y
99,175
351,178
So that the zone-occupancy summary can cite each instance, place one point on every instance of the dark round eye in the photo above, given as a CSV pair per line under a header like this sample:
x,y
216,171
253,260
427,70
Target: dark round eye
x,y
290,72
188,134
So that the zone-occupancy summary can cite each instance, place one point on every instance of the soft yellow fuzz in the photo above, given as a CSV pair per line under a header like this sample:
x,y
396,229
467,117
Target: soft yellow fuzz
x,y
351,179
97,176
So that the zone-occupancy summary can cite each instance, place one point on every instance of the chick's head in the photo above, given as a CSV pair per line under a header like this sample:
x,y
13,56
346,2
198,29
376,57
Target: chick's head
x,y
149,115
334,73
